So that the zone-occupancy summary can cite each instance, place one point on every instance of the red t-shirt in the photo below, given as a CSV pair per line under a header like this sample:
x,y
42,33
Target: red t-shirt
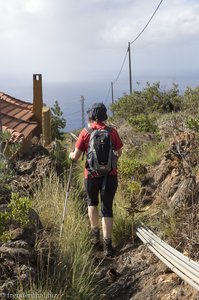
x,y
83,141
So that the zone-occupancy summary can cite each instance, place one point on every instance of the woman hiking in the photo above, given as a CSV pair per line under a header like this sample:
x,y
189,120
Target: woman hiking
x,y
97,183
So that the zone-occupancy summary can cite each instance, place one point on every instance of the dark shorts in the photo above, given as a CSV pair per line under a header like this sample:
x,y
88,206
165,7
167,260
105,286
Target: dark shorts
x,y
94,189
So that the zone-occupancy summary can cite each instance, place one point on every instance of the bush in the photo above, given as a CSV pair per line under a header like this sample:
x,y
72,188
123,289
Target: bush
x,y
130,167
191,100
5,177
17,212
128,105
60,154
143,123
150,99
193,123
19,209
152,152
57,122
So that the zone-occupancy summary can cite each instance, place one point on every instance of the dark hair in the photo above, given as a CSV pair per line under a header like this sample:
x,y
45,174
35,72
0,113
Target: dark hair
x,y
98,112
89,113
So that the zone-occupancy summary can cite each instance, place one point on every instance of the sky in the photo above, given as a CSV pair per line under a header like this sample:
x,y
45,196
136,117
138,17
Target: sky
x,y
79,47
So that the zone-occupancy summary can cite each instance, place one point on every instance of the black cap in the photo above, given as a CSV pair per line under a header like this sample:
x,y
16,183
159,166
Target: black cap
x,y
98,112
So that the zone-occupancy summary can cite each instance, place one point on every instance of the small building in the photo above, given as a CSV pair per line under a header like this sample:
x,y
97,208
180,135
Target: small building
x,y
26,120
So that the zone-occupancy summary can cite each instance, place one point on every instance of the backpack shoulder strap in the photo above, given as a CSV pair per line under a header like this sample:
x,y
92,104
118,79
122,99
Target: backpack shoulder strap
x,y
89,130
108,128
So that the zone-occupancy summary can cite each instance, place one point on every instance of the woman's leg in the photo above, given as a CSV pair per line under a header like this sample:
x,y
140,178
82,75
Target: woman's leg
x,y
107,213
93,215
107,227
92,187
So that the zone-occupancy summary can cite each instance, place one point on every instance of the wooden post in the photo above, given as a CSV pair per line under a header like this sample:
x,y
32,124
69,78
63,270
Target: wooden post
x,y
130,73
46,125
112,92
83,116
1,131
37,102
133,229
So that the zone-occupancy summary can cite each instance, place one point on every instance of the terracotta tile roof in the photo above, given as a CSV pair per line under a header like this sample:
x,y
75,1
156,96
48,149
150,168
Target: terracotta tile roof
x,y
15,110
18,125
15,136
16,117
13,100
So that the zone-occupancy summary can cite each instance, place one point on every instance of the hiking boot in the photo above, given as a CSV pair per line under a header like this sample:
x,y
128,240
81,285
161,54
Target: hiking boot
x,y
95,236
107,246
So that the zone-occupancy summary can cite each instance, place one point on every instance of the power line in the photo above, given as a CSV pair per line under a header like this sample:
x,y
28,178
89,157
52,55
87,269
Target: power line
x,y
106,99
121,67
73,113
147,22
128,49
116,79
82,106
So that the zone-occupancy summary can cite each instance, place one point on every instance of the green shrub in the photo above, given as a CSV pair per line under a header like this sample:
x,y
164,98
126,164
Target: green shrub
x,y
3,222
122,223
57,122
9,149
19,209
151,99
129,167
5,177
152,152
17,212
60,154
163,222
191,99
133,187
193,123
125,206
143,123
128,105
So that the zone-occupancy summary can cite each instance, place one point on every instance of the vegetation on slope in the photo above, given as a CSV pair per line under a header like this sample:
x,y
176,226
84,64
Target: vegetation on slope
x,y
146,120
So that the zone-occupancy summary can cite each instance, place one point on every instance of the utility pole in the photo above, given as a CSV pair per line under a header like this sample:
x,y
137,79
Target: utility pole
x,y
0,119
83,114
130,75
112,92
0,131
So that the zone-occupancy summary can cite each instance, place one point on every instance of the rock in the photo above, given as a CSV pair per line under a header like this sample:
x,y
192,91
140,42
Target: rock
x,y
163,170
34,151
185,193
25,274
26,168
31,172
7,287
16,234
174,183
18,244
19,255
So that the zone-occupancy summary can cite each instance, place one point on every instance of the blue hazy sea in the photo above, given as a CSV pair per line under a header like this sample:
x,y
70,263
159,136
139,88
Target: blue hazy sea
x,y
68,95
69,99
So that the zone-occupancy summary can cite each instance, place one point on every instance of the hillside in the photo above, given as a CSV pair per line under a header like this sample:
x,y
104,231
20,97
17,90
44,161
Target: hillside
x,y
158,187
169,206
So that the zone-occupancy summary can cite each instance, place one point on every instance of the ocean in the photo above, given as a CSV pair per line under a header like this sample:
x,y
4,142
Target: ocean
x,y
68,95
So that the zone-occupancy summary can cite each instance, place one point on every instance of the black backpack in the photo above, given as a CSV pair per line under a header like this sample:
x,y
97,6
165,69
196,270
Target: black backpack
x,y
100,154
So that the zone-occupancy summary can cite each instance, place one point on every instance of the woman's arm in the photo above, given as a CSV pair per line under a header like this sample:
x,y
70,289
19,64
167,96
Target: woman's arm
x,y
75,155
119,152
